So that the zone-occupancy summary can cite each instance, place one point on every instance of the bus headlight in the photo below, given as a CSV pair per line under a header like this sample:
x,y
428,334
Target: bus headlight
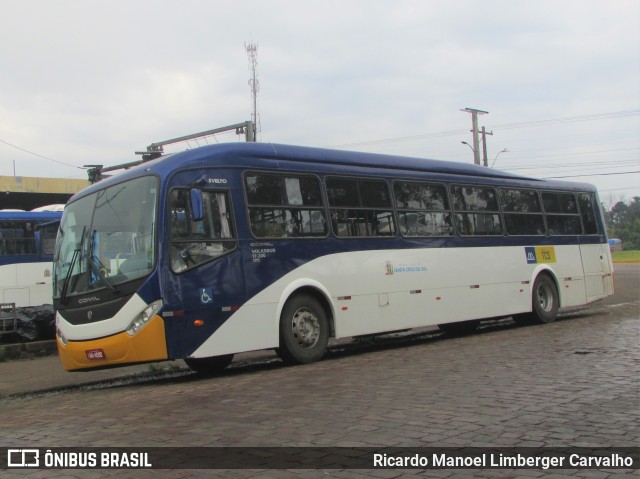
x,y
61,337
144,317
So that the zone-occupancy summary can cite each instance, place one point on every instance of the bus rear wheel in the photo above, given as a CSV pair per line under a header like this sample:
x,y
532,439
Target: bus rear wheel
x,y
545,302
304,330
212,365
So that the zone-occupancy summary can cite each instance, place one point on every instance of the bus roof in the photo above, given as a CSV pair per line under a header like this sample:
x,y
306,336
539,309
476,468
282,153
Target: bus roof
x,y
30,215
275,156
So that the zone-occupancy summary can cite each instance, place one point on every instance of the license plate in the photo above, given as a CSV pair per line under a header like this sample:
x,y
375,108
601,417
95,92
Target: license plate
x,y
94,354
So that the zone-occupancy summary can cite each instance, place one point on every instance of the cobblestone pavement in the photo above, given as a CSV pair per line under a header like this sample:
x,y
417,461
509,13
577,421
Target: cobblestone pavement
x,y
575,382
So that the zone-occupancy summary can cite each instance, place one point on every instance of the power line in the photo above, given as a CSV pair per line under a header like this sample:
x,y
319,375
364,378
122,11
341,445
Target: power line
x,y
594,152
506,126
592,174
618,189
37,154
424,136
571,119
579,172
574,166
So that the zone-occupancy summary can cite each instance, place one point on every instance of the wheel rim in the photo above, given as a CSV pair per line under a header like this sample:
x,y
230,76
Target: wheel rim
x,y
545,297
305,328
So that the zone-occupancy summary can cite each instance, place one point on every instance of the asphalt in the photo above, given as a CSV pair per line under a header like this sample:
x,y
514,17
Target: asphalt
x,y
30,368
569,384
43,373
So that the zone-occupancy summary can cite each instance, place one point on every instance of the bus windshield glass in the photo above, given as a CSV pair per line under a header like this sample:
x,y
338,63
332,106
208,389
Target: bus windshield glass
x,y
106,239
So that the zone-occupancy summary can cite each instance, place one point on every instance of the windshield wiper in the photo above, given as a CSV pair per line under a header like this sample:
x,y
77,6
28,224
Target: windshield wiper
x,y
74,258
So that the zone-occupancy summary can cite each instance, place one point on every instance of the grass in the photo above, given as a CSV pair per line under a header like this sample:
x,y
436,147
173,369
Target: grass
x,y
626,255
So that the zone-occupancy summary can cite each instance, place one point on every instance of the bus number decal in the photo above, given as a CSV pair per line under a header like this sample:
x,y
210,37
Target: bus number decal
x,y
540,254
260,251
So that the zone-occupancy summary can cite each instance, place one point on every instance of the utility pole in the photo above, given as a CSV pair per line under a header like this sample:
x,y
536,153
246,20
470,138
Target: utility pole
x,y
484,134
476,138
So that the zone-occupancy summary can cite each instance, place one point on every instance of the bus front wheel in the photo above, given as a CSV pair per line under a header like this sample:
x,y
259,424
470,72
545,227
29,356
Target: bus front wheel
x,y
545,302
304,330
212,365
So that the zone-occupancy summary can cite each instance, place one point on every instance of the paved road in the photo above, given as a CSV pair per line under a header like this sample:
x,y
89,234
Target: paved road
x,y
574,382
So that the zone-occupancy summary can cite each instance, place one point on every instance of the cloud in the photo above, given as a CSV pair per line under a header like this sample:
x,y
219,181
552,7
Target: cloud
x,y
91,82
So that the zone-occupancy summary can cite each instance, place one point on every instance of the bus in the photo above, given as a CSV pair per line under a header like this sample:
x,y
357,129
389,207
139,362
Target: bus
x,y
232,248
27,244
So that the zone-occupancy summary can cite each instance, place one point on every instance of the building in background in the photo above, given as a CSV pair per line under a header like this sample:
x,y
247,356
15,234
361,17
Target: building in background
x,y
27,193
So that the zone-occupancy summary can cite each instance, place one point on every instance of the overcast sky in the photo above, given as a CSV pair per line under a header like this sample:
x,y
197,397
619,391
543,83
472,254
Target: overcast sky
x,y
85,82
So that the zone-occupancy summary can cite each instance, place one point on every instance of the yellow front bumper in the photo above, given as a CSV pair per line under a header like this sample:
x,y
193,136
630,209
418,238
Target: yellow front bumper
x,y
148,345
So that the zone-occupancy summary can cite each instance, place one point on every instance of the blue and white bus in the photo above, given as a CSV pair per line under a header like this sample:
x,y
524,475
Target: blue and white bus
x,y
27,242
240,247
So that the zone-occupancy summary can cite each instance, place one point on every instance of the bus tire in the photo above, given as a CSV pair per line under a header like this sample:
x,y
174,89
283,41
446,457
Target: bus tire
x,y
544,302
304,330
208,366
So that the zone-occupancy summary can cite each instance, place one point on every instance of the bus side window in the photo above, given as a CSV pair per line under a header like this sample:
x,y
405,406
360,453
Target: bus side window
x,y
360,207
476,211
285,206
561,212
197,242
522,212
48,239
423,209
586,203
29,239
17,238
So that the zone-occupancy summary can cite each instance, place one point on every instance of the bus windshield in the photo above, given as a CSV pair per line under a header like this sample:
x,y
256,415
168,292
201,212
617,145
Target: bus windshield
x,y
106,238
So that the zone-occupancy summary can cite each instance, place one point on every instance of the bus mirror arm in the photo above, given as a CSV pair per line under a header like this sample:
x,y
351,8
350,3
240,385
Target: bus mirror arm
x,y
200,182
196,204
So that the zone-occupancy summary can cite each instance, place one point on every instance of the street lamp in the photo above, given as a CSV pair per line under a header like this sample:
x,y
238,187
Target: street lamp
x,y
506,150
470,147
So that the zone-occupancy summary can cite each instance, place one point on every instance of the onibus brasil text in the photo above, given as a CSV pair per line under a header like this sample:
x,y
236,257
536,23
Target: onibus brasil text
x,y
76,459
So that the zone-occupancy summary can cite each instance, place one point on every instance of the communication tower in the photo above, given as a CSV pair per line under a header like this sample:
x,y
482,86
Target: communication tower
x,y
254,84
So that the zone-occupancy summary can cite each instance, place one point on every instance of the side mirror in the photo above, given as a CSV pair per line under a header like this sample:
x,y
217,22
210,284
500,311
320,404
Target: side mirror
x,y
197,206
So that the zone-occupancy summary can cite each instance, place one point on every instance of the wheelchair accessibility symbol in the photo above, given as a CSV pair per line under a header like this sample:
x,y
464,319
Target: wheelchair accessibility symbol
x,y
206,295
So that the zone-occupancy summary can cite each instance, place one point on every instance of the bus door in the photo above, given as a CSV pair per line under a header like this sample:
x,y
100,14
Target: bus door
x,y
597,270
596,259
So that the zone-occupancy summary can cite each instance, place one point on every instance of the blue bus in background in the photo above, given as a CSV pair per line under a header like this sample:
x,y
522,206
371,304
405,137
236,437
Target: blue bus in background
x,y
27,243
239,247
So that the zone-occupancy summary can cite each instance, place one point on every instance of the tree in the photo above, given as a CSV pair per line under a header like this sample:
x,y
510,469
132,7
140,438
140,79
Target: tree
x,y
624,222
